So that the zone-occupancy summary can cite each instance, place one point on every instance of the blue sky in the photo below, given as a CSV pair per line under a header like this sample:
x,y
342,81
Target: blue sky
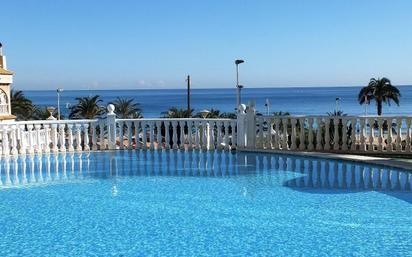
x,y
155,44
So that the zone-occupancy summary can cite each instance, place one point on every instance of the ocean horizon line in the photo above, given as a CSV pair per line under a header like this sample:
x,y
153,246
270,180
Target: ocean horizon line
x,y
200,88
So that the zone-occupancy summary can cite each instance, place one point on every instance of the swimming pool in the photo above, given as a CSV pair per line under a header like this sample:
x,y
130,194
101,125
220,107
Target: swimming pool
x,y
176,203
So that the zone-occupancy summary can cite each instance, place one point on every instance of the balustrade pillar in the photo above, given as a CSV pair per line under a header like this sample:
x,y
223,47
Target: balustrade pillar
x,y
293,144
159,135
327,134
285,145
408,147
336,133
319,146
54,137
23,139
121,136
129,125
167,134
353,134
398,135
344,134
62,137
310,134
277,134
70,137
78,138
174,138
371,124
86,137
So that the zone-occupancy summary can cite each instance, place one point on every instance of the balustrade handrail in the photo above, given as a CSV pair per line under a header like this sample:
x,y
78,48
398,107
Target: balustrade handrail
x,y
48,122
175,119
331,116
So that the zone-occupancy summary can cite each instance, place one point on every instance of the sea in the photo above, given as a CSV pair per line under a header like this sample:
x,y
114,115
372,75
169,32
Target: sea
x,y
296,100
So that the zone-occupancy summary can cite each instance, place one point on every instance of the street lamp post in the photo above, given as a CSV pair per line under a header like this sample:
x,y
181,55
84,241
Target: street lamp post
x,y
238,86
59,90
337,105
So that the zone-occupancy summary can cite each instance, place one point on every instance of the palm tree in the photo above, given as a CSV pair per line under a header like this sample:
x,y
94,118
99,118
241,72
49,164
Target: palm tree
x,y
380,90
127,108
87,108
176,113
21,106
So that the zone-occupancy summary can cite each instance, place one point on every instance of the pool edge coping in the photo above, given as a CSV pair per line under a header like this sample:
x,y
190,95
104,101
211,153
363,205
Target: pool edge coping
x,y
395,163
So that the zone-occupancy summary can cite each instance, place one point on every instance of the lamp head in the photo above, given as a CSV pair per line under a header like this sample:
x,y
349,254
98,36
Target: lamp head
x,y
237,62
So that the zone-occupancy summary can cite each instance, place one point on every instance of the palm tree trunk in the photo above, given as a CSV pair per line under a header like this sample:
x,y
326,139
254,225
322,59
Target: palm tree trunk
x,y
379,107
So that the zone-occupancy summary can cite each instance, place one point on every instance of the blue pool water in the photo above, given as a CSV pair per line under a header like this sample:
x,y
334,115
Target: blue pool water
x,y
173,203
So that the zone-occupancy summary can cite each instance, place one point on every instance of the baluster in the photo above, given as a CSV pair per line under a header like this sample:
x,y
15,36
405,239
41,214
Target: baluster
x,y
390,138
211,135
23,141
234,135
277,134
398,136
226,138
94,136
37,128
285,145
137,125
203,135
151,134
327,134
47,138
310,135
159,134
408,135
78,137
129,125
319,146
6,149
121,137
197,135
219,135
362,134
54,137
336,133
293,146
260,141
61,137
353,134
70,137
102,141
174,137
344,134
13,135
371,147
380,134
144,135
182,134
86,137
167,134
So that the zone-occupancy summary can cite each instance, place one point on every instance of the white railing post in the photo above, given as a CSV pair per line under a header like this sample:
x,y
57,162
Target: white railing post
x,y
151,135
371,124
408,136
226,138
62,137
327,135
293,146
302,145
251,125
23,141
336,133
174,138
380,135
111,126
310,134
13,134
78,138
362,134
70,137
94,136
47,137
121,137
285,137
54,137
86,137
398,134
6,149
182,134
211,133
235,135
167,135
129,134
344,134
241,126
159,135
277,133
38,138
319,146
353,134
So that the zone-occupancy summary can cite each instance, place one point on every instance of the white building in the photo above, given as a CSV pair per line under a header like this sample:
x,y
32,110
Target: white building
x,y
6,79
